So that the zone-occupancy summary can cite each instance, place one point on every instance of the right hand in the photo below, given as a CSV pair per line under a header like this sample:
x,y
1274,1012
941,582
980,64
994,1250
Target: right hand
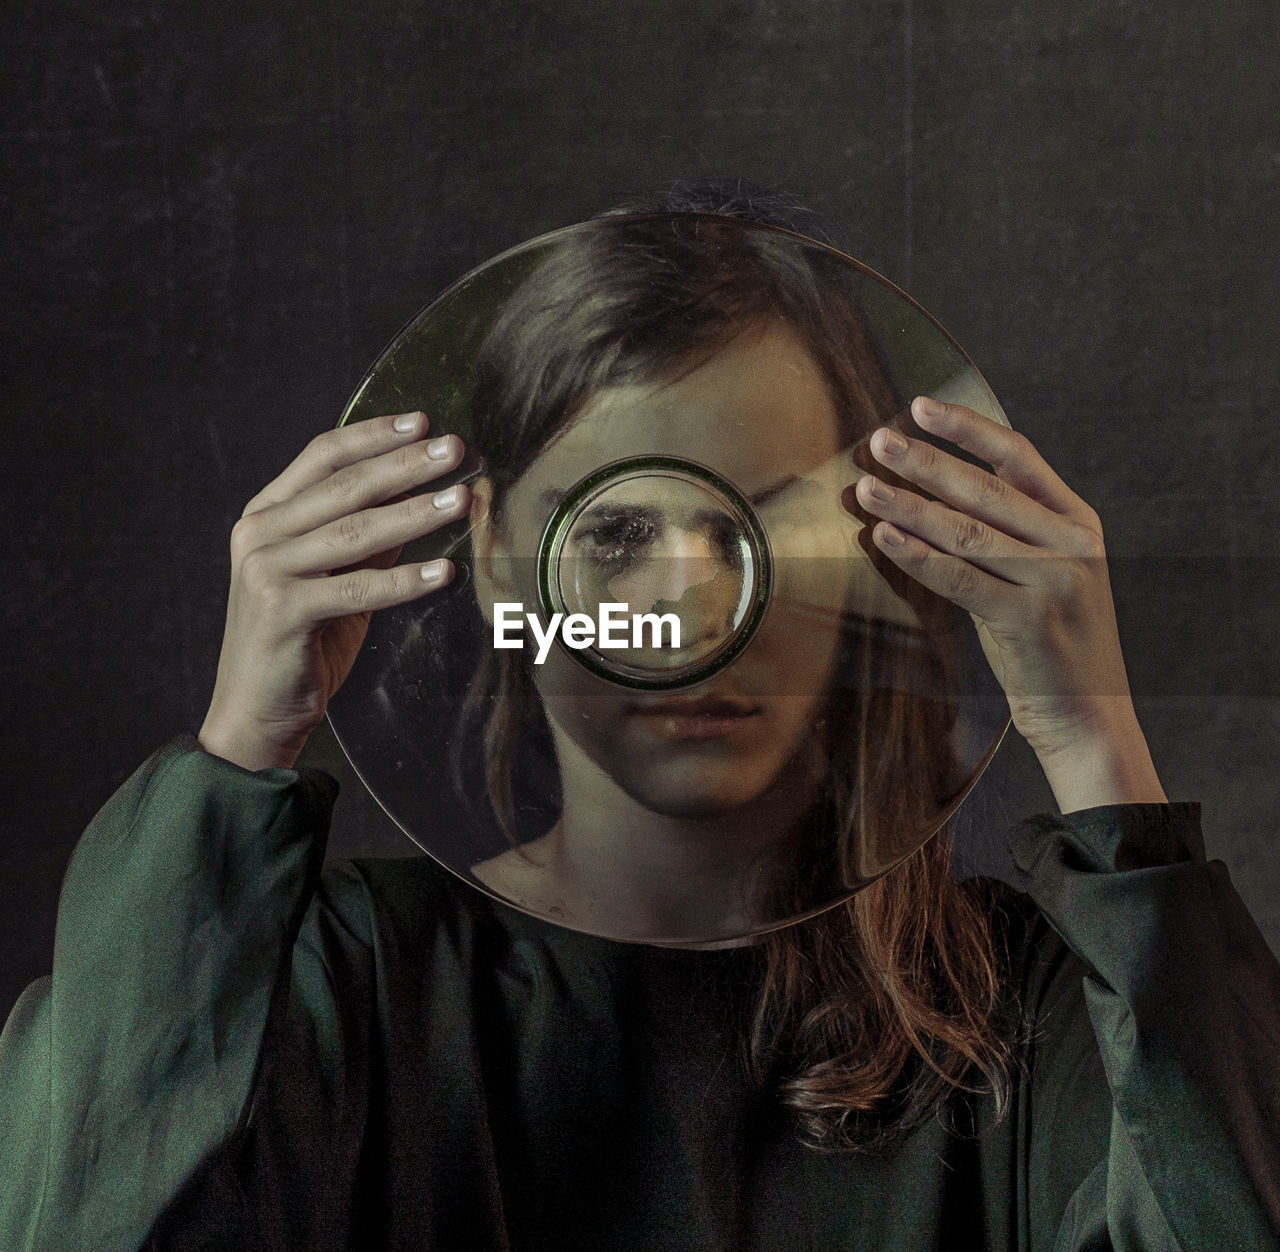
x,y
312,556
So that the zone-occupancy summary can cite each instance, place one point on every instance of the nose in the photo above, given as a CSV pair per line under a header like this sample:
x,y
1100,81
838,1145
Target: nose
x,y
682,562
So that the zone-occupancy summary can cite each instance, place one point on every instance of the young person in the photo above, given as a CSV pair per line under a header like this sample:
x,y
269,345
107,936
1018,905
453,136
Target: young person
x,y
236,1050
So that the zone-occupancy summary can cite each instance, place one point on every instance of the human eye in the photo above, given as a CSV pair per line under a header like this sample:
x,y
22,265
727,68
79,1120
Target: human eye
x,y
614,540
724,538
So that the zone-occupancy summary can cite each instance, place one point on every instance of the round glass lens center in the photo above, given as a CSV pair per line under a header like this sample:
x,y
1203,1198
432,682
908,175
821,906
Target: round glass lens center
x,y
659,569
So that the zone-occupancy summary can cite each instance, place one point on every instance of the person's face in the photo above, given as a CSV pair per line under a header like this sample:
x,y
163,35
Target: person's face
x,y
758,413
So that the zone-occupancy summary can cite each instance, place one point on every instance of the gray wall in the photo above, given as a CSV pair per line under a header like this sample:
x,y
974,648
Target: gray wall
x,y
212,223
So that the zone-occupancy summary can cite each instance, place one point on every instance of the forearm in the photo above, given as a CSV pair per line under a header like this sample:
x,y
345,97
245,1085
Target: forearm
x,y
176,923
1184,999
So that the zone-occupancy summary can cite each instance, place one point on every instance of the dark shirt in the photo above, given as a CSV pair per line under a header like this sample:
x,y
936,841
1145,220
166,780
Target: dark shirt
x,y
240,1049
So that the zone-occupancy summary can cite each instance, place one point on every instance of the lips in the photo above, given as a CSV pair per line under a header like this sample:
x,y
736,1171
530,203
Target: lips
x,y
682,718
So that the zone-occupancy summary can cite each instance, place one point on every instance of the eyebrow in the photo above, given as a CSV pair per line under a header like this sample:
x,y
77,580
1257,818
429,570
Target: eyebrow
x,y
763,497
552,497
608,512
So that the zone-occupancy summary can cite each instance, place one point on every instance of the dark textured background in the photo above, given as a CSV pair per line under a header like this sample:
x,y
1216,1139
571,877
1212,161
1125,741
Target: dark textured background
x,y
215,215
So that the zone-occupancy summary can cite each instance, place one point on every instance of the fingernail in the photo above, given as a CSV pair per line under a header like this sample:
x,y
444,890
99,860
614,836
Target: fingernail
x,y
892,443
407,422
433,572
892,535
881,491
930,407
446,499
438,449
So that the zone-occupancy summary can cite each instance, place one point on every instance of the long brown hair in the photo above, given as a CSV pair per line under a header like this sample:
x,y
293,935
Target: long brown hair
x,y
867,1015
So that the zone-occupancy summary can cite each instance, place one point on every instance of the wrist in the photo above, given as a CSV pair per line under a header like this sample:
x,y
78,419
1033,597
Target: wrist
x,y
250,747
1102,759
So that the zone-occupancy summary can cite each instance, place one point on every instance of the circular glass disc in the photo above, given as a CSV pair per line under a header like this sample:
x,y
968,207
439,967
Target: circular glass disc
x,y
675,694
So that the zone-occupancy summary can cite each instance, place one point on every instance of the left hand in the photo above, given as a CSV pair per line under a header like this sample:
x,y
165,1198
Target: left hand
x,y
1021,552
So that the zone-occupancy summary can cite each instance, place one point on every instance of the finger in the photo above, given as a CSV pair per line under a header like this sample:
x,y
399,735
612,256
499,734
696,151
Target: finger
x,y
966,488
358,538
382,560
367,590
957,580
1011,455
356,487
950,531
335,449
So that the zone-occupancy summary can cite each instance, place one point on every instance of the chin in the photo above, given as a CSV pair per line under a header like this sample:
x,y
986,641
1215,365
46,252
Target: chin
x,y
691,807
692,791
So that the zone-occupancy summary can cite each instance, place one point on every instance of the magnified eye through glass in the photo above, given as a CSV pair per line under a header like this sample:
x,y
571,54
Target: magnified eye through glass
x,y
667,562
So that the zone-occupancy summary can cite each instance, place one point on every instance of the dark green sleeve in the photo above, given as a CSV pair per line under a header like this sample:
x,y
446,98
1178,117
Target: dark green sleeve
x,y
124,1072
1183,996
